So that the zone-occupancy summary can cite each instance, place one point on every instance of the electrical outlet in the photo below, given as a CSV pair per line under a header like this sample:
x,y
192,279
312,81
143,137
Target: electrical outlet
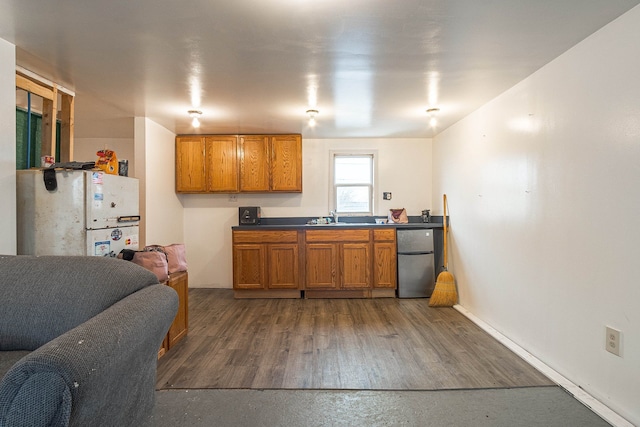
x,y
612,342
233,197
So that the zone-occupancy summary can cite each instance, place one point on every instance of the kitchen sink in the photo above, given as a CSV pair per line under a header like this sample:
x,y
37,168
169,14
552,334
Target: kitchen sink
x,y
338,224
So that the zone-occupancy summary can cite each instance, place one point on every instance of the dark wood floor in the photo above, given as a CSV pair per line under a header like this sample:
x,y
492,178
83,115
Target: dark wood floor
x,y
367,344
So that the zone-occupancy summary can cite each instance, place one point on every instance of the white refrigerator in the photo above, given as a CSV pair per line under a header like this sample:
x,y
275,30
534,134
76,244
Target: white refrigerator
x,y
88,213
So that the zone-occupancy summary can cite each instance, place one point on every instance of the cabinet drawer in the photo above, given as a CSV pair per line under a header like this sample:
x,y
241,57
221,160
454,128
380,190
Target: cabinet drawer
x,y
349,235
279,236
380,235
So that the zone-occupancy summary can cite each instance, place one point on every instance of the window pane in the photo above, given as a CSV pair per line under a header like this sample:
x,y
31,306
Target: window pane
x,y
352,170
352,199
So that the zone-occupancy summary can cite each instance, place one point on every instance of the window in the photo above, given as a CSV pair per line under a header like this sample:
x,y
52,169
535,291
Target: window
x,y
44,120
29,138
352,183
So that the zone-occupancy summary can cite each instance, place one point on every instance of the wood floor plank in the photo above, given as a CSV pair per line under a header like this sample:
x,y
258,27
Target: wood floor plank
x,y
375,344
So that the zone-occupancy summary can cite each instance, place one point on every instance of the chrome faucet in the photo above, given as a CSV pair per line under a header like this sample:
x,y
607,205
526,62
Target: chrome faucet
x,y
334,214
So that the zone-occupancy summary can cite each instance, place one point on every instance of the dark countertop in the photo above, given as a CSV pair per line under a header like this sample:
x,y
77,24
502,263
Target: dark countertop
x,y
338,226
345,222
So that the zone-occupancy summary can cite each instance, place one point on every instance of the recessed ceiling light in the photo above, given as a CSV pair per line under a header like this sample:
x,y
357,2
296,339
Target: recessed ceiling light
x,y
195,115
312,117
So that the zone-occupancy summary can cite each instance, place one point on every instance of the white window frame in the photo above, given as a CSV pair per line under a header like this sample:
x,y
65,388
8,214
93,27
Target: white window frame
x,y
332,184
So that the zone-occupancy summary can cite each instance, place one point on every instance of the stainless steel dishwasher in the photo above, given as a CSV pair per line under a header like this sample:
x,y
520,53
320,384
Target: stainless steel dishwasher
x,y
416,264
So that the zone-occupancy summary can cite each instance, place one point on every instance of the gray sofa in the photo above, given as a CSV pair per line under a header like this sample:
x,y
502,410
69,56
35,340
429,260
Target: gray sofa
x,y
79,339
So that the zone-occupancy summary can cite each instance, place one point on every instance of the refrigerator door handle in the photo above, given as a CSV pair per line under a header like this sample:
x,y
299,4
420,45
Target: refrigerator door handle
x,y
129,218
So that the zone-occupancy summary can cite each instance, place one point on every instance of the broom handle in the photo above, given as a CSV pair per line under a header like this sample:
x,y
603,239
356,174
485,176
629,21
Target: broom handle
x,y
444,202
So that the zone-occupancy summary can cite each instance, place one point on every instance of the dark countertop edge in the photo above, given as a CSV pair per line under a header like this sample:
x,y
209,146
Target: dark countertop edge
x,y
274,223
414,225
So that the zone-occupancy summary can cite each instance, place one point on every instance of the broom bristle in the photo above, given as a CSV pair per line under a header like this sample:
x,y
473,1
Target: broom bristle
x,y
444,294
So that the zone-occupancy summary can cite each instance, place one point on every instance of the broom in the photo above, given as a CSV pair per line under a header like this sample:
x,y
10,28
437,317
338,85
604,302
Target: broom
x,y
444,294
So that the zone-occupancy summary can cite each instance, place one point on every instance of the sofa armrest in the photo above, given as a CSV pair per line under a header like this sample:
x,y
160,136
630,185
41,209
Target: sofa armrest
x,y
102,372
46,296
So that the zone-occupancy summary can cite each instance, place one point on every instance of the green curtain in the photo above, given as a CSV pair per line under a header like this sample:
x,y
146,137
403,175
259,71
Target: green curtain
x,y
31,150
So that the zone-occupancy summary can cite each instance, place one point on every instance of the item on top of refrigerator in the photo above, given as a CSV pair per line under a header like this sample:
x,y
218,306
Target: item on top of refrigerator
x,y
47,161
123,167
107,161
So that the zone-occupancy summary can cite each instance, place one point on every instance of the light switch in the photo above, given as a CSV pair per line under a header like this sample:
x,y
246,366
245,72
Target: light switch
x,y
386,195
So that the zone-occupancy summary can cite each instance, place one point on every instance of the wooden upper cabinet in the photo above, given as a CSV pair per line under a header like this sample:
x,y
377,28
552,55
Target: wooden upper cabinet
x,y
238,163
190,164
254,163
286,163
222,163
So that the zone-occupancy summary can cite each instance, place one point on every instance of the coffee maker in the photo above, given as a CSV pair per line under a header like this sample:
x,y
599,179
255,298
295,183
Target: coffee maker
x,y
249,215
426,216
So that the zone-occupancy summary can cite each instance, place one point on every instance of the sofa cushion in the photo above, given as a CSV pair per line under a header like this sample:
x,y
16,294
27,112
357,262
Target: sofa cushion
x,y
8,359
44,297
46,391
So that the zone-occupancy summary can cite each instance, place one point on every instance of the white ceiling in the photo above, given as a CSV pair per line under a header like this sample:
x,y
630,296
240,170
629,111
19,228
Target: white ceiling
x,y
376,65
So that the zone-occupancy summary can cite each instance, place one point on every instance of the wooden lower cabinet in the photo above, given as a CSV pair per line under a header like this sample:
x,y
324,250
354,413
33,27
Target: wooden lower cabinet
x,y
322,266
355,265
249,266
282,265
338,263
385,265
266,264
317,263
180,326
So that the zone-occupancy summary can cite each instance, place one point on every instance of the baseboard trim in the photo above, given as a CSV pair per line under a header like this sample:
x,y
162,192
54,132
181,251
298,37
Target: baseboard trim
x,y
585,398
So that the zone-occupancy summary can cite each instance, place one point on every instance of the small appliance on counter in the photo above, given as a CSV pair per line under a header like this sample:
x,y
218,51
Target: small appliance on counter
x,y
249,215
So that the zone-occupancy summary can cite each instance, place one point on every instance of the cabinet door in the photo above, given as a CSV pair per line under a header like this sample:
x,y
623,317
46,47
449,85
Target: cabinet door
x,y
190,164
384,265
356,265
249,264
283,266
178,330
254,163
286,163
321,266
222,163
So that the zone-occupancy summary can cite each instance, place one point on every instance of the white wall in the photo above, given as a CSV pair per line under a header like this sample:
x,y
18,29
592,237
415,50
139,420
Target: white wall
x,y
8,244
404,169
544,201
161,208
